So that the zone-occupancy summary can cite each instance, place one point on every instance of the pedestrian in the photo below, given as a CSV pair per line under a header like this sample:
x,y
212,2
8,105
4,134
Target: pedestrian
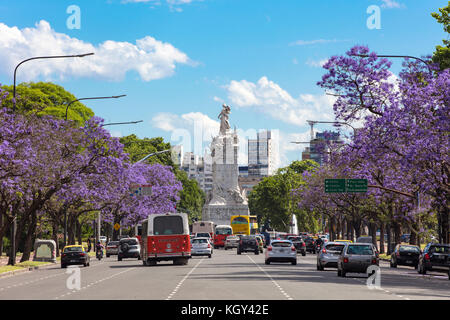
x,y
89,244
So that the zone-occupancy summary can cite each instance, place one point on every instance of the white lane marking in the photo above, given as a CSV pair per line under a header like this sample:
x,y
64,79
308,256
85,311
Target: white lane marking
x,y
273,281
182,280
98,281
43,278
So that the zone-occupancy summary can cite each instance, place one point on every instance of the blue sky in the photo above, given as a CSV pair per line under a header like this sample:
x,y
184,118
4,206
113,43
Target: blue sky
x,y
179,60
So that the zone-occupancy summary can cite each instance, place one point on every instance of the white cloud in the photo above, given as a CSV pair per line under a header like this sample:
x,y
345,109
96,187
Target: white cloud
x,y
391,4
317,41
150,58
316,63
267,97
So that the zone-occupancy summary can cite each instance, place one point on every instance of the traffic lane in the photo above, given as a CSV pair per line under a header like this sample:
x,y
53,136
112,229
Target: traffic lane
x,y
228,276
130,279
304,282
408,282
57,285
38,284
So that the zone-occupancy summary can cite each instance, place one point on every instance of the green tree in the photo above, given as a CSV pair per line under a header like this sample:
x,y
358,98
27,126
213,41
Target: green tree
x,y
46,98
442,53
273,198
192,196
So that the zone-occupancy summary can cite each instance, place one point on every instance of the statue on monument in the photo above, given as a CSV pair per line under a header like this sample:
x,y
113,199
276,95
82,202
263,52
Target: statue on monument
x,y
223,116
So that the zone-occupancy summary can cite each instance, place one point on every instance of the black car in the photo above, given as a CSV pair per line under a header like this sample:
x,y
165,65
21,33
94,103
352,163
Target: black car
x,y
405,255
299,244
434,257
248,243
73,255
310,244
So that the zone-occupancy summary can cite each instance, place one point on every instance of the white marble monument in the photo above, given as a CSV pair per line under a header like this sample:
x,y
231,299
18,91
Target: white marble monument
x,y
226,198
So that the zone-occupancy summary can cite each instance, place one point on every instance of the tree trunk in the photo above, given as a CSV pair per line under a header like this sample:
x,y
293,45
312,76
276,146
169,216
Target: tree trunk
x,y
29,238
382,232
397,232
445,224
413,234
373,227
78,224
55,236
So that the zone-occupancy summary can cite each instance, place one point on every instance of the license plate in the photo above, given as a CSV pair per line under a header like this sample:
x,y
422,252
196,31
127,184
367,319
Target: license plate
x,y
281,250
73,260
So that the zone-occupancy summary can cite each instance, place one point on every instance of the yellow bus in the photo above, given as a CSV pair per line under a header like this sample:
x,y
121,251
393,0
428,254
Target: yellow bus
x,y
244,224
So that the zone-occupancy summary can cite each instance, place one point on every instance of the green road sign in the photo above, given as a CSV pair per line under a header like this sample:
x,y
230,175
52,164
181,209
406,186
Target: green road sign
x,y
356,185
345,185
334,185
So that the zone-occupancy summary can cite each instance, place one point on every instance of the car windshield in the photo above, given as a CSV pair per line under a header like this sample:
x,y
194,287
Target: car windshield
x,y
200,241
129,241
409,249
295,238
439,249
203,235
73,249
281,244
232,238
248,238
335,247
360,250
113,243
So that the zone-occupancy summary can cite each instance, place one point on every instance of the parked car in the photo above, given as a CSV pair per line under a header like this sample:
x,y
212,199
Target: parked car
x,y
112,248
231,242
356,257
405,255
328,256
299,244
281,251
364,240
201,246
129,248
434,257
310,243
73,255
248,243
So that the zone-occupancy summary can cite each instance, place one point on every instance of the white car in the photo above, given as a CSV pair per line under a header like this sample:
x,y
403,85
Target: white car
x,y
201,246
281,251
231,242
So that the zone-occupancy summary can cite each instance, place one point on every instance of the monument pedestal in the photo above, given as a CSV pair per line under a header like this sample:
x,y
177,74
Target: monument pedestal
x,y
221,214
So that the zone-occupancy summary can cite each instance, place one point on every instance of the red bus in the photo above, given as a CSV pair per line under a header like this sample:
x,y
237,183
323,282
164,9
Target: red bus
x,y
165,237
221,234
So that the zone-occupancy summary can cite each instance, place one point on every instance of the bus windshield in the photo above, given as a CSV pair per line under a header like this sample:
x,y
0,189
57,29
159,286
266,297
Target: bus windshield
x,y
167,225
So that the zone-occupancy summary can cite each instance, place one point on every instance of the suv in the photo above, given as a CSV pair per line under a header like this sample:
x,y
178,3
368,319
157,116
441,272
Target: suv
x,y
310,244
129,248
248,243
434,257
299,244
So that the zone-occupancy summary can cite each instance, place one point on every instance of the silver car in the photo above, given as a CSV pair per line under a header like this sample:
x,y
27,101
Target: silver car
x,y
281,251
231,242
129,248
112,248
201,246
328,256
357,257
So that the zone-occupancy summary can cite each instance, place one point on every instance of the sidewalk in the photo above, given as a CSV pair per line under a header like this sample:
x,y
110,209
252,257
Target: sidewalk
x,y
18,269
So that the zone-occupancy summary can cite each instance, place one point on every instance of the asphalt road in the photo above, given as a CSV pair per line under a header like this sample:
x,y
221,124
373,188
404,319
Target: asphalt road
x,y
226,276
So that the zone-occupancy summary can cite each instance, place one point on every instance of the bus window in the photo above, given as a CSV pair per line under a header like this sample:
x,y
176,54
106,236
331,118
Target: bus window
x,y
167,225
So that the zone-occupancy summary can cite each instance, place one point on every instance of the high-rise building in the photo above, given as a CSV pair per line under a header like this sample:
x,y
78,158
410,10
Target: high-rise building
x,y
313,153
198,168
261,155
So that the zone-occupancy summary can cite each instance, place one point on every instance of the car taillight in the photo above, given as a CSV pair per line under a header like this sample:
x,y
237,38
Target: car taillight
x,y
398,254
82,254
269,248
427,257
303,244
209,246
345,260
324,251
374,261
63,255
293,248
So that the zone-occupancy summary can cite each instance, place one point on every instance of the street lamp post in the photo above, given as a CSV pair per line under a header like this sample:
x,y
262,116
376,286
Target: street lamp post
x,y
91,98
117,123
12,256
44,57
